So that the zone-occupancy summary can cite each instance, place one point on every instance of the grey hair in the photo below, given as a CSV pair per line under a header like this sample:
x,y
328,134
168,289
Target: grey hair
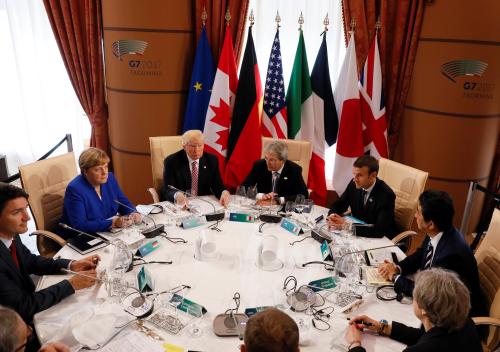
x,y
279,148
8,329
444,298
189,135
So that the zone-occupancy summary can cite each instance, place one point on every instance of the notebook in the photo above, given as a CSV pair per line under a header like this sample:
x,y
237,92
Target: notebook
x,y
84,244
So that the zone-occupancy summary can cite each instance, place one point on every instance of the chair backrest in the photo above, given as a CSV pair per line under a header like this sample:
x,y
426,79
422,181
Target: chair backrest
x,y
407,183
161,147
488,263
298,151
46,181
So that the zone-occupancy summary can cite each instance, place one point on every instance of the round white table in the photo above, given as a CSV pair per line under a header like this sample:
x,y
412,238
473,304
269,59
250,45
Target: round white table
x,y
213,284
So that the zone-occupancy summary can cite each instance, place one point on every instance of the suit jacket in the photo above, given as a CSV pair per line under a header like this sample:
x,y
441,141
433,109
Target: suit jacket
x,y
17,290
176,172
435,340
290,182
85,211
452,253
378,209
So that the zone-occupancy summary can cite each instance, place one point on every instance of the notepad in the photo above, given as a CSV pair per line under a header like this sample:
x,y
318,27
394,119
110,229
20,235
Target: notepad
x,y
373,277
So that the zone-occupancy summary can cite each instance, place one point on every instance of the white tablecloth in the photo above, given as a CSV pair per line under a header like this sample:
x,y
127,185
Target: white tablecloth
x,y
213,284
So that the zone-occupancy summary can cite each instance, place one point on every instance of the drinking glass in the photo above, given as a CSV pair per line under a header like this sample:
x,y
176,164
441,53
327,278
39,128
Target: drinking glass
x,y
194,329
299,203
289,206
241,194
251,194
122,257
308,206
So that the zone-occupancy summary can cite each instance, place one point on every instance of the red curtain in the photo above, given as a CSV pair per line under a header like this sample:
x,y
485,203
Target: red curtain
x,y
77,27
401,22
216,23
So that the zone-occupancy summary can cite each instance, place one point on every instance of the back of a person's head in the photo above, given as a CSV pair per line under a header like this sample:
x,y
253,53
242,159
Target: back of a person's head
x,y
8,329
444,298
9,192
271,331
437,206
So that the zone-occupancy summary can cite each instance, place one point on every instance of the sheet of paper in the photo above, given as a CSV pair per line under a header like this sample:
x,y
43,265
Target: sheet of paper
x,y
133,341
144,209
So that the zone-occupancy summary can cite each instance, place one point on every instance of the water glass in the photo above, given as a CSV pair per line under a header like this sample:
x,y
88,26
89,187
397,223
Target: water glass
x,y
289,206
241,194
251,194
194,329
299,203
308,206
122,257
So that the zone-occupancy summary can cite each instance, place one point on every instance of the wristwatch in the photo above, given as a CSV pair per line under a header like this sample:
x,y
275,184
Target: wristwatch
x,y
383,324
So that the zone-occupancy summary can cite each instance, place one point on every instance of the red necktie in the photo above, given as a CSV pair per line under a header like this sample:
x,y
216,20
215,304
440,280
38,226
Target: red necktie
x,y
194,178
13,252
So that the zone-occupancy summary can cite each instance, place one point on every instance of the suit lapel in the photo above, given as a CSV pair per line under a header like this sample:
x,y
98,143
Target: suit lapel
x,y
202,175
283,180
6,256
185,172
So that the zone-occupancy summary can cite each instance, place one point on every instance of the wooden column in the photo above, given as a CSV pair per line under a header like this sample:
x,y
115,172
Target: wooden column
x,y
452,115
149,48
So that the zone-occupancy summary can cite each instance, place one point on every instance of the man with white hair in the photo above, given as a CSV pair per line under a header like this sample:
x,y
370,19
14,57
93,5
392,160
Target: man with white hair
x,y
193,171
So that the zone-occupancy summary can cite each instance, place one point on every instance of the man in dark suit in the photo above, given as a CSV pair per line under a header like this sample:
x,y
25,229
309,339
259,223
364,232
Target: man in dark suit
x,y
275,176
17,263
193,171
443,247
370,199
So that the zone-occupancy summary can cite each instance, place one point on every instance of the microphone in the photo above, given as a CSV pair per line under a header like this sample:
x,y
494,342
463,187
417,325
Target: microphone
x,y
149,232
214,216
67,227
137,302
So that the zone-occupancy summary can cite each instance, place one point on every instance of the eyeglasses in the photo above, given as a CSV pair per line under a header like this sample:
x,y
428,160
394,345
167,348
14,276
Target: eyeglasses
x,y
29,338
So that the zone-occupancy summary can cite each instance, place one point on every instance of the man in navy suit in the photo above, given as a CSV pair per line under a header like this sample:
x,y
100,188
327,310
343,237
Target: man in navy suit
x,y
194,171
443,247
370,199
17,263
276,177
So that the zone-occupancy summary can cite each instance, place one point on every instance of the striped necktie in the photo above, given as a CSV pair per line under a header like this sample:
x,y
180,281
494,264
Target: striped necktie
x,y
428,257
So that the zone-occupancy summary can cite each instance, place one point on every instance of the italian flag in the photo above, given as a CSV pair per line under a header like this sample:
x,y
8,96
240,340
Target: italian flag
x,y
302,124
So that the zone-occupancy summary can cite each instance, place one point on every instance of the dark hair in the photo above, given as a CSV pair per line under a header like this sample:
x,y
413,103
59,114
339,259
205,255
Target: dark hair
x,y
437,206
271,331
9,192
368,161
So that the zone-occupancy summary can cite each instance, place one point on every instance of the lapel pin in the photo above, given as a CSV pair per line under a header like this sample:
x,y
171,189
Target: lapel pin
x,y
286,178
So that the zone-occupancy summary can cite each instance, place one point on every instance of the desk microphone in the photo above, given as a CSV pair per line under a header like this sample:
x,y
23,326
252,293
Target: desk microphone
x,y
214,216
137,302
149,232
67,227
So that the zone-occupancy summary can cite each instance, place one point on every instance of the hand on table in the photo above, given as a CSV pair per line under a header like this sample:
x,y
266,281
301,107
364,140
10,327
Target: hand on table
x,y
54,347
362,322
181,201
269,196
266,202
122,221
225,198
87,263
135,217
387,269
353,336
80,282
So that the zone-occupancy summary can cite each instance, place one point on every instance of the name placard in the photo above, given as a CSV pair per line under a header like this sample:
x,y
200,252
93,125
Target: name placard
x,y
241,217
321,284
326,253
148,248
290,227
144,280
194,222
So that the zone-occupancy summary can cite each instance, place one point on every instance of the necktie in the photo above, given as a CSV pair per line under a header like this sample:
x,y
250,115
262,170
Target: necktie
x,y
13,252
428,257
194,178
362,199
276,176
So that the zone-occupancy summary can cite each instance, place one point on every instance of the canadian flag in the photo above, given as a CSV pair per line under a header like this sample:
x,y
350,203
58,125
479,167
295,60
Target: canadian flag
x,y
220,107
350,137
373,104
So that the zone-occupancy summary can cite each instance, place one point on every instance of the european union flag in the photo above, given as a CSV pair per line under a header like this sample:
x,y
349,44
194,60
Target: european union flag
x,y
200,87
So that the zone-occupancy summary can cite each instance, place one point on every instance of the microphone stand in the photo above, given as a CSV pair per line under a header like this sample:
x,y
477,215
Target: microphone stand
x,y
67,227
149,232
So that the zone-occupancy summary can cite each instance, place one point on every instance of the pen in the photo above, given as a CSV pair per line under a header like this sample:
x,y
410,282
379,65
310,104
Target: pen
x,y
366,323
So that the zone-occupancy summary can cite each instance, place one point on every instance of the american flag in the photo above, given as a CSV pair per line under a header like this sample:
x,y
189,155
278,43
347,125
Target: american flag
x,y
274,120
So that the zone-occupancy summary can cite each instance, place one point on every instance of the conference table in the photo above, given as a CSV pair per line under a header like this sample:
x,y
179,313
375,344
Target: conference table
x,y
90,315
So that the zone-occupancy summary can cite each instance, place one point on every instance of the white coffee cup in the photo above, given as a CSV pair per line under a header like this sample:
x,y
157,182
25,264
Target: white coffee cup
x,y
269,250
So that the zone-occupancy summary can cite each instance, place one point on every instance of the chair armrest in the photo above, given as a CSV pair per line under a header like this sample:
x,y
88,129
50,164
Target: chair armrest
x,y
154,195
56,238
486,321
403,235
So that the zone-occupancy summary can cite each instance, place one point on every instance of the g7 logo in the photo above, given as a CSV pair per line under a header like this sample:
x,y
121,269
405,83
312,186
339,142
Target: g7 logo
x,y
469,85
134,63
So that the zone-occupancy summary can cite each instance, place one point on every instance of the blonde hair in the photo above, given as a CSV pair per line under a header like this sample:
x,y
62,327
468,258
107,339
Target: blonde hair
x,y
91,157
444,298
191,134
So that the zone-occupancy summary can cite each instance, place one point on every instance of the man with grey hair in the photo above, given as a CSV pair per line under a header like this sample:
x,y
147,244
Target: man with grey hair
x,y
193,171
16,335
276,177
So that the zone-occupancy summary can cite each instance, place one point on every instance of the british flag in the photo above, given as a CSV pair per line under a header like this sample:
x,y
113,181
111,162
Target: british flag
x,y
373,104
274,119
